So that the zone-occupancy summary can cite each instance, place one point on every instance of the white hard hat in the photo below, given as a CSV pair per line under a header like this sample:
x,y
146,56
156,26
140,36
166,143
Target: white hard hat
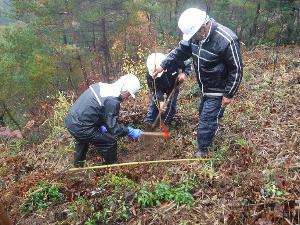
x,y
190,22
130,83
154,60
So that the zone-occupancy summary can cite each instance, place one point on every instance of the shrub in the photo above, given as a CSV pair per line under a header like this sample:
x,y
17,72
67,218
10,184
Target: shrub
x,y
270,189
164,192
41,196
114,208
117,182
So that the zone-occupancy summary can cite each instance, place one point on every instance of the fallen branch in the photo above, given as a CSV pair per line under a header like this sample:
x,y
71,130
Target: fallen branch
x,y
137,163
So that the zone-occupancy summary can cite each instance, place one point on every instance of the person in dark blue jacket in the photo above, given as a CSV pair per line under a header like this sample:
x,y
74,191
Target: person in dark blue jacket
x,y
93,118
165,86
216,54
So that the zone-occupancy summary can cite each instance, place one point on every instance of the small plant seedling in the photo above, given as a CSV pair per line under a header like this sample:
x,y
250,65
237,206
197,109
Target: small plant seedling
x,y
42,196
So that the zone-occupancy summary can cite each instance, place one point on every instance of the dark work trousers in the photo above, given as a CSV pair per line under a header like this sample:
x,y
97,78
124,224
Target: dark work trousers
x,y
105,143
210,111
168,115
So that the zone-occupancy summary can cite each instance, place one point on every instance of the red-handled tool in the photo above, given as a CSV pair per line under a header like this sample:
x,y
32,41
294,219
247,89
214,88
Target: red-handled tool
x,y
165,132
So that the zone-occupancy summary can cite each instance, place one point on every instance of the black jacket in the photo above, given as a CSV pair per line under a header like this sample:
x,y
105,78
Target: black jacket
x,y
166,82
87,115
217,61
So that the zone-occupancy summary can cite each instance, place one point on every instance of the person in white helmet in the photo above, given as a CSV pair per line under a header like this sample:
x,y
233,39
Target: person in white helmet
x,y
93,118
218,65
166,85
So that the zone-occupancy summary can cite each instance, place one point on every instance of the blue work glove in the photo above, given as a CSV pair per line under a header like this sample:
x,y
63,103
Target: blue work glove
x,y
103,129
134,133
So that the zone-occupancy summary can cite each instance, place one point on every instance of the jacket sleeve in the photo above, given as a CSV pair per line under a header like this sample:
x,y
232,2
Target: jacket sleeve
x,y
234,64
156,92
187,67
177,55
112,108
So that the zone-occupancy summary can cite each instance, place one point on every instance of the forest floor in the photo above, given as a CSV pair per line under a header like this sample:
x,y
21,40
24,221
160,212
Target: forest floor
x,y
253,176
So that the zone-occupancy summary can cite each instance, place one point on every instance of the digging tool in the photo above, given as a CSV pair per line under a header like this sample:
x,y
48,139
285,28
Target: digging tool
x,y
166,102
165,132
153,133
159,134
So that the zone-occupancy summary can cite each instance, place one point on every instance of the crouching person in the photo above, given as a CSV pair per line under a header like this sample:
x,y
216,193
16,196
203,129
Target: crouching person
x,y
93,119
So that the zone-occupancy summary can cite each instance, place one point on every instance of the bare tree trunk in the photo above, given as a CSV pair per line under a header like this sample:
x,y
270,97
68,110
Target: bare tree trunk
x,y
170,14
291,25
275,55
107,57
265,28
7,112
289,33
65,39
83,70
70,79
74,35
297,17
254,25
2,123
93,68
177,14
99,67
177,9
231,14
161,27
94,38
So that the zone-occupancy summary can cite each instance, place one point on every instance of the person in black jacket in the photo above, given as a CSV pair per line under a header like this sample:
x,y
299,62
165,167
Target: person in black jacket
x,y
165,86
93,118
218,64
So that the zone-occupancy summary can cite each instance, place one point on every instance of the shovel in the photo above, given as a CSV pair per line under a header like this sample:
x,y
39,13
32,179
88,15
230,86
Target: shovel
x,y
165,132
165,103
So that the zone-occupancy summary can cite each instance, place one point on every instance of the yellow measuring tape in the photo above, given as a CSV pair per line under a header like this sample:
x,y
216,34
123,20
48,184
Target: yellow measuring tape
x,y
138,163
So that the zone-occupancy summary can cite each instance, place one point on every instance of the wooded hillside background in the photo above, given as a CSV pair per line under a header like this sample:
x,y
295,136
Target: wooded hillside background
x,y
51,50
48,46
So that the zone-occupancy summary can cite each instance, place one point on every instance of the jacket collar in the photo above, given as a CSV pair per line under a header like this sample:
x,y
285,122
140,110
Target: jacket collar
x,y
211,30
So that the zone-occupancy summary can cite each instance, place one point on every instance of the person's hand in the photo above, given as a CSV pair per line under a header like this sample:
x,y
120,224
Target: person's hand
x,y
134,133
103,129
156,71
181,78
226,101
162,107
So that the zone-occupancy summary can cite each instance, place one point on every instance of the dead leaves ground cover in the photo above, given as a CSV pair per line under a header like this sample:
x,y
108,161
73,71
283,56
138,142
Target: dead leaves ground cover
x,y
253,179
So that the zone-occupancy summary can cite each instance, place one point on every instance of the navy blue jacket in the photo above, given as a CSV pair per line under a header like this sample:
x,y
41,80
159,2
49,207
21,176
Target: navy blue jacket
x,y
166,82
217,61
86,115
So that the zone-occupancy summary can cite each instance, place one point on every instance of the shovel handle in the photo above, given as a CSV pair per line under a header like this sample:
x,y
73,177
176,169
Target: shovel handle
x,y
153,133
166,102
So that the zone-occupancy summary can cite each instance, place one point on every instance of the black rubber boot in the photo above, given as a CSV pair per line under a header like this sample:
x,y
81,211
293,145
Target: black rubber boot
x,y
201,153
80,154
109,153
